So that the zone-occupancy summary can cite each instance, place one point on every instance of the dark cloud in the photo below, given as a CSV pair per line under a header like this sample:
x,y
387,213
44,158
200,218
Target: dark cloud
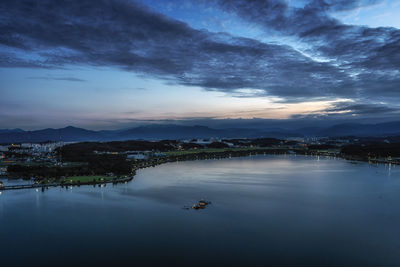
x,y
348,112
361,109
127,35
312,24
370,56
344,5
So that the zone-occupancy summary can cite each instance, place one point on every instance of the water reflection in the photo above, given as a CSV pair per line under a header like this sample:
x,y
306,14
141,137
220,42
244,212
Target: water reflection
x,y
265,210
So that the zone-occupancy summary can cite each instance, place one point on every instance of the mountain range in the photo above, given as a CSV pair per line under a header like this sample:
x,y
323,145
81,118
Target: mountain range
x,y
172,131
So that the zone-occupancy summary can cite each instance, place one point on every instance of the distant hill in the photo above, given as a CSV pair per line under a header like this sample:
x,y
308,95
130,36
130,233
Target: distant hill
x,y
65,134
170,131
151,132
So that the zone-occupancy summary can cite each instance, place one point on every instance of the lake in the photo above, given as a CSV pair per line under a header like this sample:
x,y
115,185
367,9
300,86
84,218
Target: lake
x,y
266,210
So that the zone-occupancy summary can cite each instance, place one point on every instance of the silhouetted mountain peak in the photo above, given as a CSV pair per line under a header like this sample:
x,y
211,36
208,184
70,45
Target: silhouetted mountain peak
x,y
173,131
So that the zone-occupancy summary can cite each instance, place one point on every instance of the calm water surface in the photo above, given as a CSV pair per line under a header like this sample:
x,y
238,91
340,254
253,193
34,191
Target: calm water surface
x,y
274,210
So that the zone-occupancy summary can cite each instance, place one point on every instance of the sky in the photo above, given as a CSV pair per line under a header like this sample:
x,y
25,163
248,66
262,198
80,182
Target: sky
x,y
112,64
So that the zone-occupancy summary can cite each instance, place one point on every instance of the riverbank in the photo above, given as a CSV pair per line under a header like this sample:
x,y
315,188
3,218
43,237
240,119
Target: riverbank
x,y
172,156
186,155
72,181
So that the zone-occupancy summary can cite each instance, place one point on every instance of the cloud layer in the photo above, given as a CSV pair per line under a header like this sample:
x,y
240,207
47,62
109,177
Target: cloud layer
x,y
359,63
370,57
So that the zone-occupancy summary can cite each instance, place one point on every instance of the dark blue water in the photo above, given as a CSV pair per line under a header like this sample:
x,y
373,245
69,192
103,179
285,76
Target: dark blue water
x,y
266,210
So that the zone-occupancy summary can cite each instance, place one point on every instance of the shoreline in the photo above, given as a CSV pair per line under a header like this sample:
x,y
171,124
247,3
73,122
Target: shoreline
x,y
155,161
48,185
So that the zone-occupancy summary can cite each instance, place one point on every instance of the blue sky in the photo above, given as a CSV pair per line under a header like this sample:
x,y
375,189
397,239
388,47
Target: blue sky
x,y
112,64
